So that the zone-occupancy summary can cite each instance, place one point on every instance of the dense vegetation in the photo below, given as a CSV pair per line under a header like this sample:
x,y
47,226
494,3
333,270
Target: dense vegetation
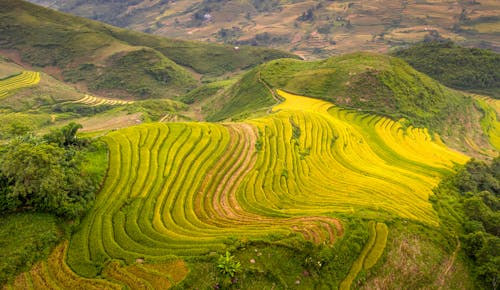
x,y
46,183
469,205
25,237
471,69
48,174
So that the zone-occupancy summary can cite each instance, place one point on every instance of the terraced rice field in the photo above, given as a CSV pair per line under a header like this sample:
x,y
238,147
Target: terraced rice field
x,y
184,189
96,101
55,274
22,80
177,190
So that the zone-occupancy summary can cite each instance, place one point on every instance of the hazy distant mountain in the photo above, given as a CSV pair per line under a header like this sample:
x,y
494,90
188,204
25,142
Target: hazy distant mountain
x,y
304,27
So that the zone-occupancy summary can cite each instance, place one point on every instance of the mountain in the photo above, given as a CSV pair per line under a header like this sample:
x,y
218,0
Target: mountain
x,y
308,28
114,62
471,69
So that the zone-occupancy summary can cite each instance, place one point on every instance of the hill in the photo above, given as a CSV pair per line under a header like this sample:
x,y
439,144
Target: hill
x,y
36,102
328,174
369,82
471,69
114,62
327,190
308,28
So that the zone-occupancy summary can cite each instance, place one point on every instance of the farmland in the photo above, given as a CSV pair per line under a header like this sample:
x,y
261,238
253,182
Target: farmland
x,y
308,28
130,161
183,189
96,101
21,80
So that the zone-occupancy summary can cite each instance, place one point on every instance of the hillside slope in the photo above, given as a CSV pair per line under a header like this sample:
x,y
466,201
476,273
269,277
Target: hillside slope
x,y
458,67
35,102
112,61
369,82
309,28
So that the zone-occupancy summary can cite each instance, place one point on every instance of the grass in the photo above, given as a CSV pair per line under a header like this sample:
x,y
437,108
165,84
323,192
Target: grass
x,y
204,58
243,98
472,69
419,255
490,121
25,239
370,254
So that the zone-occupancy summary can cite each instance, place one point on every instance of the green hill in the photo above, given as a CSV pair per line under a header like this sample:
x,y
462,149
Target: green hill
x,y
368,82
328,174
471,69
114,62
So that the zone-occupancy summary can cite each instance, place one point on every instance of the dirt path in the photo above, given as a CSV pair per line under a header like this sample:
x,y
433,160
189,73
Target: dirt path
x,y
442,278
273,94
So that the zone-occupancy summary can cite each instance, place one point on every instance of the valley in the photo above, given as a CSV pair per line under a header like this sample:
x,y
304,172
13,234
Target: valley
x,y
310,29
134,161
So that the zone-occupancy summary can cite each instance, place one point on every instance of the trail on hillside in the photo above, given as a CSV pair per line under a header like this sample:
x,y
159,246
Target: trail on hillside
x,y
273,93
444,275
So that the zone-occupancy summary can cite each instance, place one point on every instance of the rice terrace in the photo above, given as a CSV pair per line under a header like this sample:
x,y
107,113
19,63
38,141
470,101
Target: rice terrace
x,y
133,161
23,79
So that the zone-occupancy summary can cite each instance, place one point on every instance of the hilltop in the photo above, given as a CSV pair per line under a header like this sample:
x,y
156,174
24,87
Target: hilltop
x,y
308,28
368,82
114,62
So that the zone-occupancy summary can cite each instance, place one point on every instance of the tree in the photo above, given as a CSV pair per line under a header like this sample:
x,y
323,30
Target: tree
x,y
65,136
40,176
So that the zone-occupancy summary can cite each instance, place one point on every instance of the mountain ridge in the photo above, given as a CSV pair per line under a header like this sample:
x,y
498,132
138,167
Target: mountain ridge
x,y
309,28
97,55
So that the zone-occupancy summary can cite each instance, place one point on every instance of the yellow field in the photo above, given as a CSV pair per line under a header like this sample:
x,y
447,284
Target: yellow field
x,y
22,80
96,101
183,189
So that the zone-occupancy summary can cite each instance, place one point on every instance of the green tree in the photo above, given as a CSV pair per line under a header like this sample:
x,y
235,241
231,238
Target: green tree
x,y
65,136
44,177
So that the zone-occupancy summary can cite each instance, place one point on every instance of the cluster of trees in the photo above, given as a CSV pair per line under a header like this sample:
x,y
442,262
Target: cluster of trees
x,y
479,186
47,174
475,191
